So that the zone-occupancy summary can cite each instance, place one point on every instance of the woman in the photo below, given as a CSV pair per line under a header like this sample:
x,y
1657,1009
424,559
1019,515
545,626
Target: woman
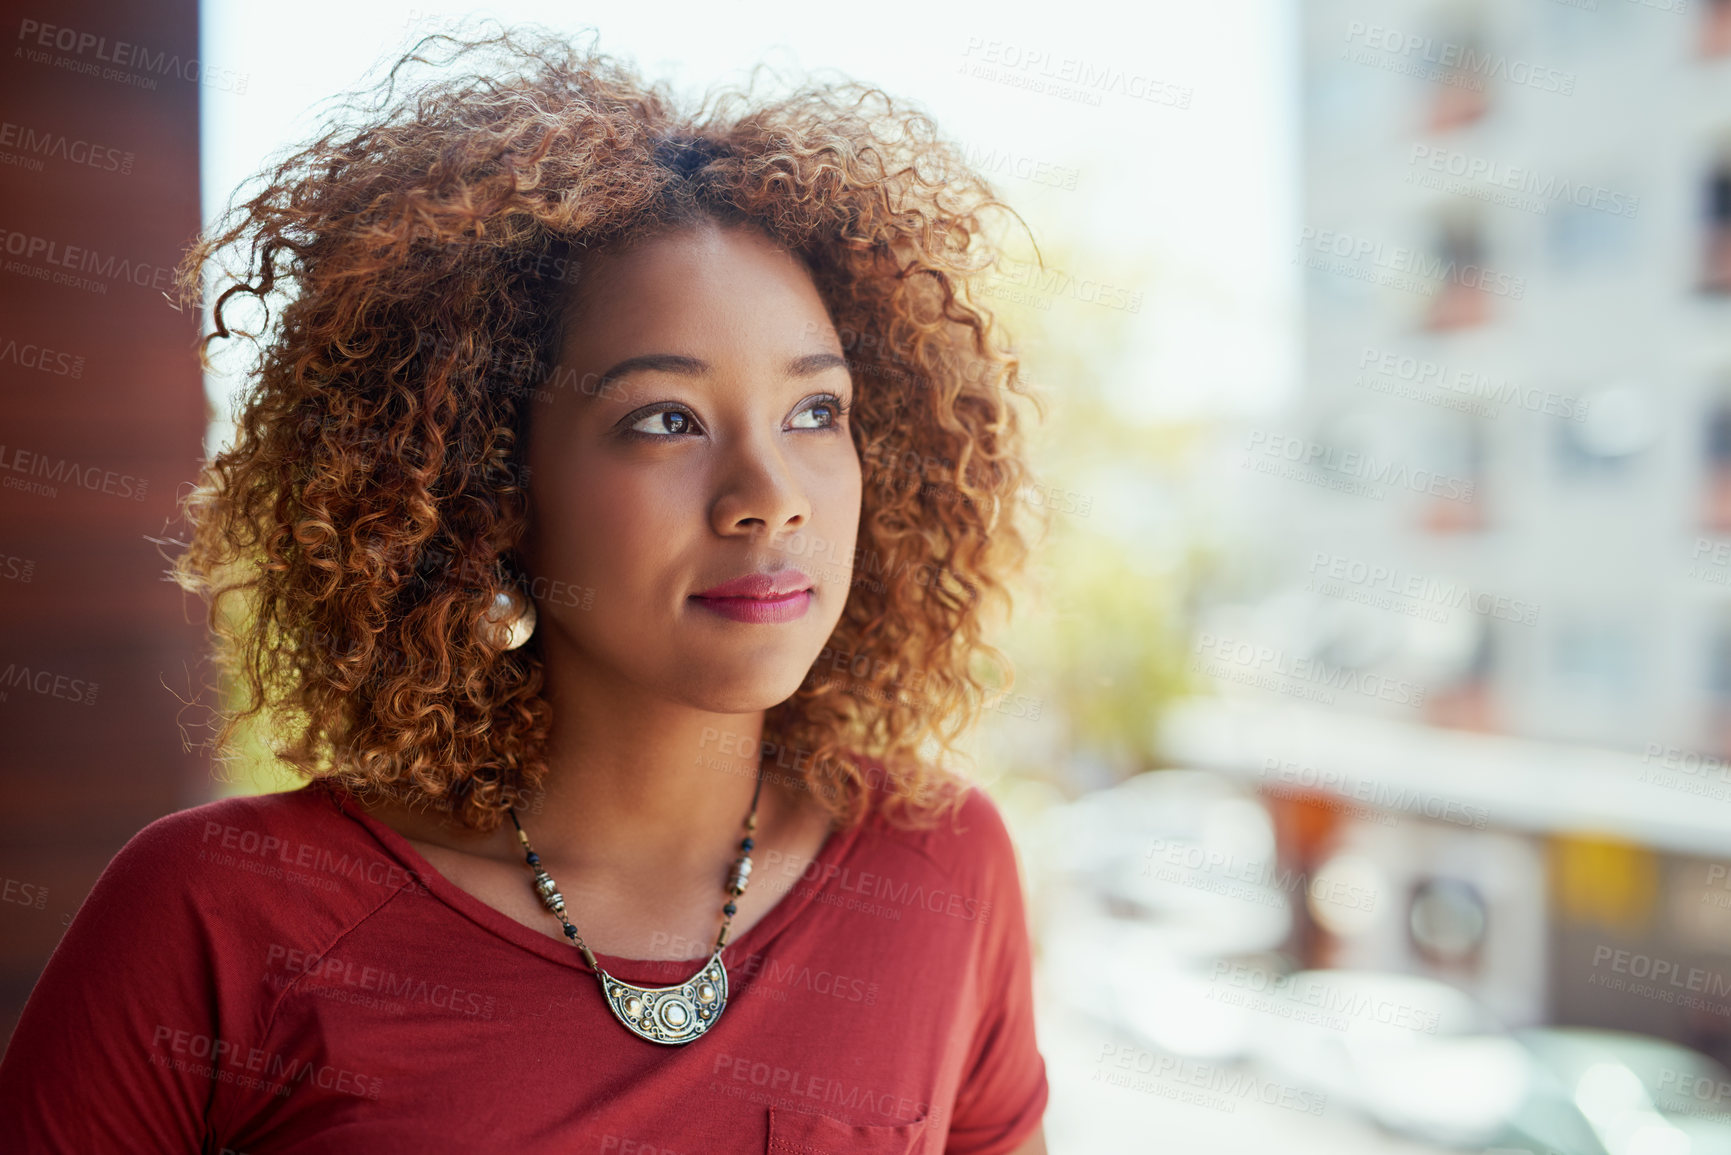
x,y
546,551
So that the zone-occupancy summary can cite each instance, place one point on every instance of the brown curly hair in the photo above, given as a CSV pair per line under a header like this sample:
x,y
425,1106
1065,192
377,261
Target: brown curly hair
x,y
409,265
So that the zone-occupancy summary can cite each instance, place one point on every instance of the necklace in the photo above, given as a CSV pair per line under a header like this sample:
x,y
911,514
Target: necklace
x,y
673,1014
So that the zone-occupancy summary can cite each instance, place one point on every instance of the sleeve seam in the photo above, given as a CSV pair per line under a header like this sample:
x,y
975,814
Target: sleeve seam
x,y
281,995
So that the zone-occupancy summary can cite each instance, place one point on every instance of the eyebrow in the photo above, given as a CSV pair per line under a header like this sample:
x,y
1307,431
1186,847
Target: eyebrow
x,y
808,365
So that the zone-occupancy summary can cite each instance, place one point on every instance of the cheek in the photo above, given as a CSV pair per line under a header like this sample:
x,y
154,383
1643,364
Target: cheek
x,y
836,496
594,522
842,482
847,506
833,482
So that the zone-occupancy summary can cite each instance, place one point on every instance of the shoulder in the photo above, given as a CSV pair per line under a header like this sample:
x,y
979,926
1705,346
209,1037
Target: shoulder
x,y
180,946
274,830
284,865
953,819
966,842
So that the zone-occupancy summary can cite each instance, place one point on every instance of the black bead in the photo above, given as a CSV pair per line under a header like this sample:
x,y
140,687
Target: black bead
x,y
534,859
747,844
730,910
570,931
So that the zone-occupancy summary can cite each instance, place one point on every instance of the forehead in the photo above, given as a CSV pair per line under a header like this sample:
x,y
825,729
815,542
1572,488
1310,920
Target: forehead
x,y
719,278
697,301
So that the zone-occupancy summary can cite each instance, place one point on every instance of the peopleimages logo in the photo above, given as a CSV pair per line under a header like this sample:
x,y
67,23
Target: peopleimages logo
x,y
65,262
1070,75
1048,282
1464,60
37,41
41,359
1255,880
995,161
1298,459
33,145
1268,668
1717,555
284,965
794,1085
48,684
1692,762
17,465
1383,796
894,894
1335,1005
232,1062
224,840
24,894
1217,1086
1664,980
1403,259
1542,187
1391,579
1675,1085
1470,384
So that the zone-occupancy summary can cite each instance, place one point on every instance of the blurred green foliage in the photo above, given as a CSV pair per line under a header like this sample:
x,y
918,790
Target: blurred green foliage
x,y
1100,631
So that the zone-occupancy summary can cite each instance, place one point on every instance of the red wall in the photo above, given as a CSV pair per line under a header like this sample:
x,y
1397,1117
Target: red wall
x,y
102,415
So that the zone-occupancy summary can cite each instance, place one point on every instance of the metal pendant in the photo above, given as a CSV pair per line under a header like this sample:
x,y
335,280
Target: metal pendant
x,y
671,1015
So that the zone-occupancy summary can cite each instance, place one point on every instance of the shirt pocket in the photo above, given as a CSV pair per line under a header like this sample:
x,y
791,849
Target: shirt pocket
x,y
794,1132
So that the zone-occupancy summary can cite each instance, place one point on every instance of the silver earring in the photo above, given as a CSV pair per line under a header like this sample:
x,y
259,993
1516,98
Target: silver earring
x,y
511,619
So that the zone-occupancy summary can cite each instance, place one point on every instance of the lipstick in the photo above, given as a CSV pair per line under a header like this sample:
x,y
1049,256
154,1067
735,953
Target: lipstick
x,y
763,598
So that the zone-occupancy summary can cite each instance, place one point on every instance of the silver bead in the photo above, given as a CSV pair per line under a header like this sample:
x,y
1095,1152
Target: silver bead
x,y
544,886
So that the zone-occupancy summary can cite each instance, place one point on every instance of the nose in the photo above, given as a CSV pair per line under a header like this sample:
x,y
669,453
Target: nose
x,y
757,493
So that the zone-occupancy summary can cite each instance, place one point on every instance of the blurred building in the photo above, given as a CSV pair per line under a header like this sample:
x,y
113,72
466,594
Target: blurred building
x,y
1496,660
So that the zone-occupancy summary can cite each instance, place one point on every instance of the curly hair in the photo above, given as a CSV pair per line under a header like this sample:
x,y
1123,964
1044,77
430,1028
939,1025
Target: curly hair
x,y
409,266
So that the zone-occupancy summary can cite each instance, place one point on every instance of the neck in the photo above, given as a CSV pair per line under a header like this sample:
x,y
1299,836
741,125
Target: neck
x,y
638,779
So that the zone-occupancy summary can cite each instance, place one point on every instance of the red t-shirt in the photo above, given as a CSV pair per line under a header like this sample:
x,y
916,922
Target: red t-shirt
x,y
285,973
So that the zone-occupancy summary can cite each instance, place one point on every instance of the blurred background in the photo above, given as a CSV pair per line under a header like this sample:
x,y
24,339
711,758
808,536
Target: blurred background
x,y
1369,756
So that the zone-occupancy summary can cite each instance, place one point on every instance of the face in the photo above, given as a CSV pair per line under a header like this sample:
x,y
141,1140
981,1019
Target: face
x,y
695,435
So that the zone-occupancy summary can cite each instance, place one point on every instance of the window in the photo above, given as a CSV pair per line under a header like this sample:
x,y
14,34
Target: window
x,y
1719,664
1461,98
1716,514
1466,701
1581,239
1461,300
1716,250
1455,500
1718,681
1715,27
1596,660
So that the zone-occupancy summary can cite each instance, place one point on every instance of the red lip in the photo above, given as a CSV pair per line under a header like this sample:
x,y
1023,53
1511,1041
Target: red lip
x,y
761,586
759,610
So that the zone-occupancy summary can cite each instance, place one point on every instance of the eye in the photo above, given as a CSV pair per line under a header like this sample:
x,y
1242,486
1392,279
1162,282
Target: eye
x,y
664,423
827,409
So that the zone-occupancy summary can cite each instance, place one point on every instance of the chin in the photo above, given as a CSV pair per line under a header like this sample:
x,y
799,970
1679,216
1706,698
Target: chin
x,y
744,693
